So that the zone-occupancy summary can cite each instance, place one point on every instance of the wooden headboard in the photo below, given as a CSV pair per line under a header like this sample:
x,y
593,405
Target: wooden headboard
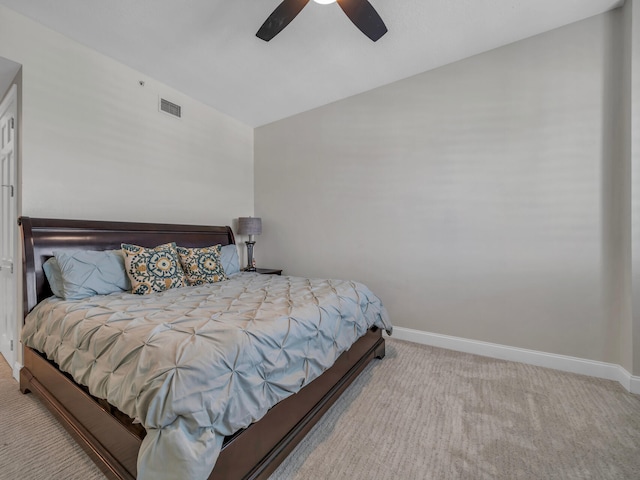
x,y
41,236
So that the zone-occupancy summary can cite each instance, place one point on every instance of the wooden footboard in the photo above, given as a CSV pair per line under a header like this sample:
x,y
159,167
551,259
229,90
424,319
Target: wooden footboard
x,y
253,453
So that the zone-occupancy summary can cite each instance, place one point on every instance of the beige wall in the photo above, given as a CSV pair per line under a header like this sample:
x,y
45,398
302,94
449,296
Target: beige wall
x,y
8,72
476,199
490,199
96,146
93,144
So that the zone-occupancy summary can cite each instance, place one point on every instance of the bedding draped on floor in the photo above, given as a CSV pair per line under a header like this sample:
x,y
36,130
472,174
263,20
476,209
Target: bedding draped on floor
x,y
196,364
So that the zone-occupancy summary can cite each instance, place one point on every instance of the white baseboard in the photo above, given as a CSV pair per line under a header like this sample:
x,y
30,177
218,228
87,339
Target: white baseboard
x,y
16,370
608,371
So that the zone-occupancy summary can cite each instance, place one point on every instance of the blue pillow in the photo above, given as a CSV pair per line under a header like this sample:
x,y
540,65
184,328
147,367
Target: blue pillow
x,y
229,259
54,276
86,273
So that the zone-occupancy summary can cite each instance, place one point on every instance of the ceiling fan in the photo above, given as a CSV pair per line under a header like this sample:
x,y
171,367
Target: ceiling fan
x,y
360,12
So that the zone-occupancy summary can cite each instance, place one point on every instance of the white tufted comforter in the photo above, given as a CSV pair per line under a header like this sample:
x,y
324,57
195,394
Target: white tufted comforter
x,y
195,364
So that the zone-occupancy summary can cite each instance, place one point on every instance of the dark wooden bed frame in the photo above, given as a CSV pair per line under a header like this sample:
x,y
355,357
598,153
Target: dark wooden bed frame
x,y
105,433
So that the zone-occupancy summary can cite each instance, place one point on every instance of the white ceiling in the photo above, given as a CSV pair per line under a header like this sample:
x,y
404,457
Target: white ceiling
x,y
208,50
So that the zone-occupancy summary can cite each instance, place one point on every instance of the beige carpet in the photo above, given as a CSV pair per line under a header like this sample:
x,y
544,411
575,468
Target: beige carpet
x,y
421,413
32,443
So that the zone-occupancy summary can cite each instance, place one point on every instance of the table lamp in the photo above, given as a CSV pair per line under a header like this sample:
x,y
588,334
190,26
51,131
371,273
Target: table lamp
x,y
250,226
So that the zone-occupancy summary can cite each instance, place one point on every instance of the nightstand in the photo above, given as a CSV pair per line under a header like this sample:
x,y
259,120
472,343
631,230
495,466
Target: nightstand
x,y
269,271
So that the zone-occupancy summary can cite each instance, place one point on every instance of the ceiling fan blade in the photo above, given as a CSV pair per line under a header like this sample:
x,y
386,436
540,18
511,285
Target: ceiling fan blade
x,y
365,17
280,18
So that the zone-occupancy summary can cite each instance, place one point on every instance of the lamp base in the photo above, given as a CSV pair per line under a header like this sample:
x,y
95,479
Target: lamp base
x,y
250,266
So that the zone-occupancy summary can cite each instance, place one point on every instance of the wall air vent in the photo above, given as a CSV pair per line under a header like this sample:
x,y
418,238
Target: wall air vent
x,y
170,108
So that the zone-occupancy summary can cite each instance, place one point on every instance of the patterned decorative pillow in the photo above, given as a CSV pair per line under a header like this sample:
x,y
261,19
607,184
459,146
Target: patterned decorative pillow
x,y
153,269
202,265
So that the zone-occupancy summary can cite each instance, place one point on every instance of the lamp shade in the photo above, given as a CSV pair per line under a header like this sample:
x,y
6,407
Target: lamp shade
x,y
249,225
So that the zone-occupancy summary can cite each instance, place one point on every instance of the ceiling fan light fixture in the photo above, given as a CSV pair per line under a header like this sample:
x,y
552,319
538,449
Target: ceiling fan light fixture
x,y
360,12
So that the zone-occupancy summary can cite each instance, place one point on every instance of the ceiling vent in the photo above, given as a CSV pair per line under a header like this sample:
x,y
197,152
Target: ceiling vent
x,y
170,108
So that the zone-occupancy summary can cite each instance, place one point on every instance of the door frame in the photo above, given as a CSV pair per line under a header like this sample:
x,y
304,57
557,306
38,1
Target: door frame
x,y
11,98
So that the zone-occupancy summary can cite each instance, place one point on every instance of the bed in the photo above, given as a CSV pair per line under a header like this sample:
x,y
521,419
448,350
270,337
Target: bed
x,y
111,438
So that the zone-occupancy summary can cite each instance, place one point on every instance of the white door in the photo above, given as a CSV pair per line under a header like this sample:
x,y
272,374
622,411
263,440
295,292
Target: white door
x,y
8,228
